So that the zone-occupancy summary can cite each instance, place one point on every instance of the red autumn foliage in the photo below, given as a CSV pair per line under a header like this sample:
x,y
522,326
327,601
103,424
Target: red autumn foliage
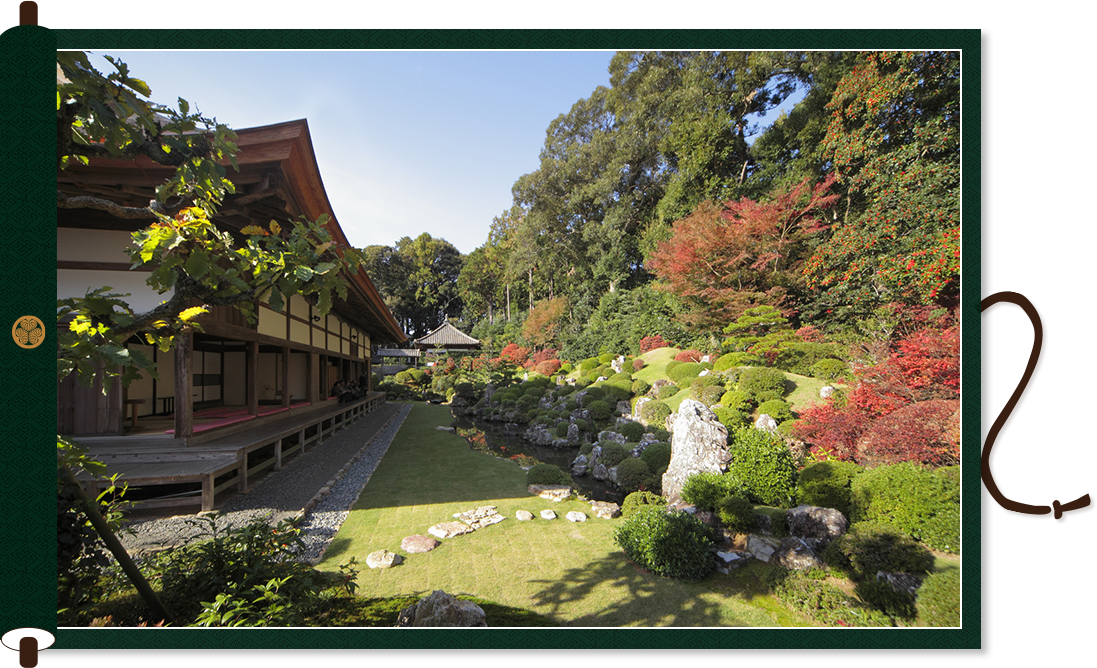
x,y
543,355
809,334
637,364
903,408
926,432
513,354
689,356
724,258
649,343
548,367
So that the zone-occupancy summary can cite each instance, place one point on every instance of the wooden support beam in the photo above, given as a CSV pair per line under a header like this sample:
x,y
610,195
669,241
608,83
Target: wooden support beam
x,y
184,385
253,373
301,439
207,492
278,455
285,377
311,395
242,472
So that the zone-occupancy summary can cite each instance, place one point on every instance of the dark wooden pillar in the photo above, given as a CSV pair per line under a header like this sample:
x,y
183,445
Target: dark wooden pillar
x,y
312,366
184,385
325,389
253,374
285,377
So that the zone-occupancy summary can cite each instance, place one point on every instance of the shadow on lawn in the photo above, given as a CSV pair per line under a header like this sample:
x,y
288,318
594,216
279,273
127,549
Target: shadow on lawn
x,y
650,600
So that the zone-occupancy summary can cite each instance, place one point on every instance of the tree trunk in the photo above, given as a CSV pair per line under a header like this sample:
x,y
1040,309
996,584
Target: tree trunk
x,y
531,289
508,302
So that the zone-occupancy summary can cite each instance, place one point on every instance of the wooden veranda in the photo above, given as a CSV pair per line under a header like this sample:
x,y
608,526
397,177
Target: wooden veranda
x,y
226,458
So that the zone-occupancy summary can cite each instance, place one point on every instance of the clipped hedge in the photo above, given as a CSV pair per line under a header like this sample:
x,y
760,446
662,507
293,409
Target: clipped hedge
x,y
632,431
736,513
705,490
923,502
613,454
871,547
655,413
827,484
730,360
938,601
638,500
673,545
634,474
765,466
685,372
763,383
547,474
657,456
776,409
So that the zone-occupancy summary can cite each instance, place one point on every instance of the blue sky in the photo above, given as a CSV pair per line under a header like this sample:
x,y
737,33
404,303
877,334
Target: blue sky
x,y
407,142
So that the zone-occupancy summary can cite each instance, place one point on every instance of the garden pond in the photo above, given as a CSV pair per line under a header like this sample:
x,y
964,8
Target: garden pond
x,y
492,439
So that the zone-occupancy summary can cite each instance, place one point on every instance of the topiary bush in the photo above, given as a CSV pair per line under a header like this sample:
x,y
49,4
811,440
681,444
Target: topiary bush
x,y
547,474
637,500
731,360
710,396
827,484
562,430
634,474
632,431
599,410
938,602
923,502
666,392
657,456
593,394
655,412
640,387
765,466
673,545
586,448
705,490
736,513
683,373
732,419
830,369
776,409
671,365
613,454
873,546
689,356
763,383
638,364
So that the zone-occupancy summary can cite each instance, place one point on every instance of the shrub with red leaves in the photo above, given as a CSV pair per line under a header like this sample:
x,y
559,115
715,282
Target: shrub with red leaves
x,y
689,356
513,354
926,432
548,367
809,334
833,428
637,364
649,343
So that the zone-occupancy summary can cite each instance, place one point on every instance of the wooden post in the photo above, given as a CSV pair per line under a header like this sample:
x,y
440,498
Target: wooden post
x,y
253,373
301,441
207,491
285,377
278,455
324,388
242,471
311,395
184,385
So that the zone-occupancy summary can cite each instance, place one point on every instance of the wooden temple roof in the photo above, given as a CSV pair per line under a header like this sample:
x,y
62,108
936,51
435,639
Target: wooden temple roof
x,y
279,179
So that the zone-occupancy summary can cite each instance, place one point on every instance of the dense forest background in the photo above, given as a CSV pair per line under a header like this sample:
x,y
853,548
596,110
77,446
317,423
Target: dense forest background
x,y
661,207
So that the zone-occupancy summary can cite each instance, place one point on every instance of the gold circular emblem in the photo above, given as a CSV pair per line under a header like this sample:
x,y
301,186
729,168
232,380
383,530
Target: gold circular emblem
x,y
28,332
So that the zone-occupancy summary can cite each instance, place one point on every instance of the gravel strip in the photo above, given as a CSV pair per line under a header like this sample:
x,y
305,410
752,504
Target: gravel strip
x,y
319,487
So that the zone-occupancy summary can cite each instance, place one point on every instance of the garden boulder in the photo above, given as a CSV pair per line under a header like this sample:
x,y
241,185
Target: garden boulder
x,y
442,609
795,554
817,525
550,492
606,510
576,516
698,444
523,515
445,530
382,559
417,544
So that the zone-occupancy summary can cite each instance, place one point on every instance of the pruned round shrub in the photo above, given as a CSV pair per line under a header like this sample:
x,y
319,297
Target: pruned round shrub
x,y
830,369
685,372
657,456
547,474
871,547
567,367
613,454
730,360
640,387
710,396
776,409
633,474
765,467
637,364
698,385
564,390
593,394
586,448
736,513
633,431
671,365
562,430
637,500
666,392
827,484
922,502
706,489
737,400
599,410
605,358
763,383
730,418
616,391
880,595
938,602
673,545
548,367
655,412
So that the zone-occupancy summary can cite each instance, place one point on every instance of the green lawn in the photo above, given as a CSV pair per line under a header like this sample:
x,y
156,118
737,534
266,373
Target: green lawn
x,y
572,573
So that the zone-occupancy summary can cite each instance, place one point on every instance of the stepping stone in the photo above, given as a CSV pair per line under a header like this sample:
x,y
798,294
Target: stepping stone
x,y
547,514
418,543
605,509
480,517
382,559
445,530
523,515
550,492
576,516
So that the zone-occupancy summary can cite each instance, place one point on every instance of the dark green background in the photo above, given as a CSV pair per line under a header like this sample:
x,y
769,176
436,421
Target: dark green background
x,y
27,379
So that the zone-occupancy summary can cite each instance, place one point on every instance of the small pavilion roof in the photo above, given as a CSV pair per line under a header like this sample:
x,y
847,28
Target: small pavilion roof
x,y
446,336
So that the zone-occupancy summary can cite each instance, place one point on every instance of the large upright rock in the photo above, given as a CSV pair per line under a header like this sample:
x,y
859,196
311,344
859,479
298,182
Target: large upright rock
x,y
699,444
441,609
